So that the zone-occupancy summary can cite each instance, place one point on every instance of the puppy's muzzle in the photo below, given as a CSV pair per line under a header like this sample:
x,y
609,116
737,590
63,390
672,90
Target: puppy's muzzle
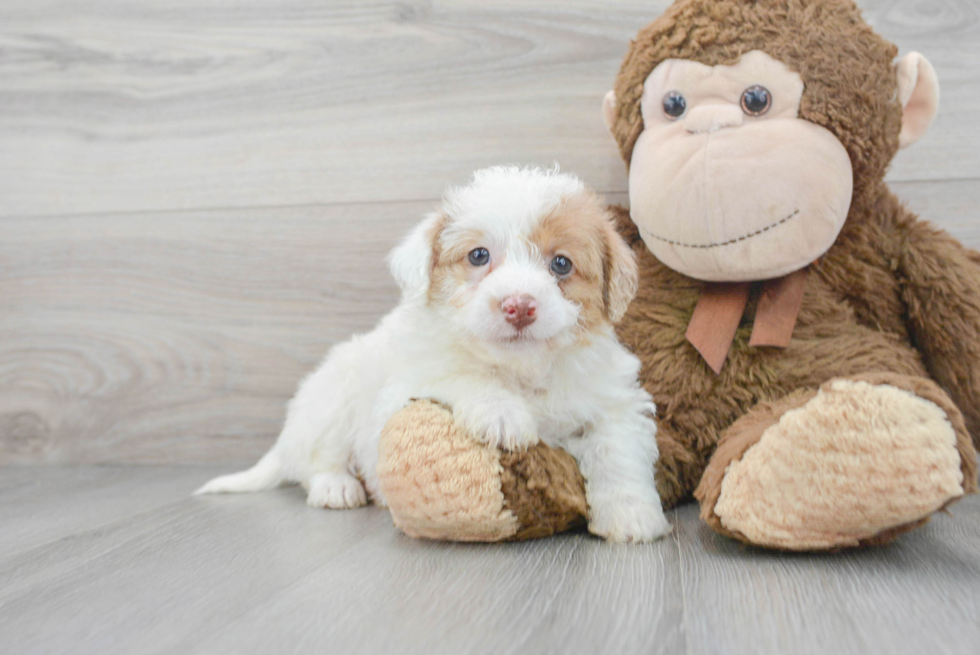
x,y
520,311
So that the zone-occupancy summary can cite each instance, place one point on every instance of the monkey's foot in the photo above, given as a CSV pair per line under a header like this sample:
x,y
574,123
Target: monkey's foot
x,y
440,483
857,462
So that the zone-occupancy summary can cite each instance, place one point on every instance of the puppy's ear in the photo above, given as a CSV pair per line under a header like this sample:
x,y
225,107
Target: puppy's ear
x,y
412,260
620,274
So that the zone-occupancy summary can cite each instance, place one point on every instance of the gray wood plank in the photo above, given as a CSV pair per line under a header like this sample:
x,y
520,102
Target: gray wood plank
x,y
538,597
158,336
116,107
265,573
179,337
38,504
919,595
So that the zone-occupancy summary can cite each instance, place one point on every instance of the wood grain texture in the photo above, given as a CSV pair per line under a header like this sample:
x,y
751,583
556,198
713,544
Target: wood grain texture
x,y
121,560
195,202
179,337
919,595
51,504
138,326
264,573
112,106
157,337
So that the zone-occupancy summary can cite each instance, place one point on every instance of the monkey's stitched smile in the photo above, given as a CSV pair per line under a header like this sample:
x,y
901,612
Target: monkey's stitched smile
x,y
702,246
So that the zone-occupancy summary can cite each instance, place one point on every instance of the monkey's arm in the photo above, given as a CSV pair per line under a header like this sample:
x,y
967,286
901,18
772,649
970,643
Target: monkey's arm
x,y
941,289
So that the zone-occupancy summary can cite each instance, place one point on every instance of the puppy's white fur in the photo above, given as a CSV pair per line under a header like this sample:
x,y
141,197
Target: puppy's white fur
x,y
564,378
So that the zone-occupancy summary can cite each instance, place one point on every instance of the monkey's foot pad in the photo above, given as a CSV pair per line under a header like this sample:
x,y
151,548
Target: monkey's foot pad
x,y
442,484
855,464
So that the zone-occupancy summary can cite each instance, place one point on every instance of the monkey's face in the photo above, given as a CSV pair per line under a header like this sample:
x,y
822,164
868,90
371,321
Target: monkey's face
x,y
727,182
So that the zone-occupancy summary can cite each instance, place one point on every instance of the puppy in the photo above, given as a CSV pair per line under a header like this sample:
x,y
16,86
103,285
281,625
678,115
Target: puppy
x,y
509,296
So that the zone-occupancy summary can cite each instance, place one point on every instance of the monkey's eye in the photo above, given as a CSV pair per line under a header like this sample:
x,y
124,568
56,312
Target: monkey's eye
x,y
561,266
479,256
756,100
674,105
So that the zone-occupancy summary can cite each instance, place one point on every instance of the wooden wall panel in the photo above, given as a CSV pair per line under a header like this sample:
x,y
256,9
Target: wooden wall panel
x,y
111,106
196,196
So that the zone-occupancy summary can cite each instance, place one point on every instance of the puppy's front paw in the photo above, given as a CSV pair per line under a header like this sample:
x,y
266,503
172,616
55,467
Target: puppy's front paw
x,y
628,520
499,422
336,491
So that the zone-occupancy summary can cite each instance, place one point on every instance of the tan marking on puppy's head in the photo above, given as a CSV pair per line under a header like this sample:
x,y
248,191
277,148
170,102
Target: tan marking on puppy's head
x,y
412,262
491,273
453,277
603,279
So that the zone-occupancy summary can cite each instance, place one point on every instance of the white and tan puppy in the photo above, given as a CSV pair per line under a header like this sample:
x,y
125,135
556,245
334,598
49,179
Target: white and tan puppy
x,y
510,293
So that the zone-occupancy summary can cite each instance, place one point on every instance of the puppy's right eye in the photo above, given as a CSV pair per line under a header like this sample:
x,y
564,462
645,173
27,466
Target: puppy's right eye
x,y
561,266
479,256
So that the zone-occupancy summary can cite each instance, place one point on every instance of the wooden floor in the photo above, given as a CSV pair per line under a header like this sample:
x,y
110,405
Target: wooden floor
x,y
106,560
195,201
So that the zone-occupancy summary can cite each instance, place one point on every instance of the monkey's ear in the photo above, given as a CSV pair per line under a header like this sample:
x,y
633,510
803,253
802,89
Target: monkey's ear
x,y
609,109
412,260
918,91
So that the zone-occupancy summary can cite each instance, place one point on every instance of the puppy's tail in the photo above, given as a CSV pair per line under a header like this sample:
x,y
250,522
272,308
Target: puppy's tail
x,y
266,474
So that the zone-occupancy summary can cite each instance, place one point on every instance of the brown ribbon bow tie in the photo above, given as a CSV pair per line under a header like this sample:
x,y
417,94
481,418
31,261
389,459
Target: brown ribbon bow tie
x,y
720,308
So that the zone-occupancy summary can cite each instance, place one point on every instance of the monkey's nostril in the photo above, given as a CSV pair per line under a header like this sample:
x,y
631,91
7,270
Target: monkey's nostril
x,y
711,118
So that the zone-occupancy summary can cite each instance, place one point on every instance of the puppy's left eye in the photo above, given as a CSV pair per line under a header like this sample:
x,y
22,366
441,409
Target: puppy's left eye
x,y
561,266
479,256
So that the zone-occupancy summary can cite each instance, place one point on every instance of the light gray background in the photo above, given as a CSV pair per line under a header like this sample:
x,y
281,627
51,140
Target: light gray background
x,y
195,201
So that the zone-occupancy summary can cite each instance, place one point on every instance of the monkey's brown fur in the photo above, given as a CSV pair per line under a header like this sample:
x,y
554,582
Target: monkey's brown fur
x,y
895,301
893,294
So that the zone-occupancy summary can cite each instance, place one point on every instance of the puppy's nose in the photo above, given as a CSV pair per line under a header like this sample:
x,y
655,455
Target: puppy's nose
x,y
520,311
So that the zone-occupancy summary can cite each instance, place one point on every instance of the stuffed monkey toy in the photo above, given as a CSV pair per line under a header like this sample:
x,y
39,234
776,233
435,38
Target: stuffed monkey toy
x,y
811,345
